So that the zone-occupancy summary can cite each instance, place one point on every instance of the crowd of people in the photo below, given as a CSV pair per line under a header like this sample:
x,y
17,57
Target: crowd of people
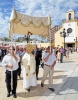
x,y
30,59
61,52
3,52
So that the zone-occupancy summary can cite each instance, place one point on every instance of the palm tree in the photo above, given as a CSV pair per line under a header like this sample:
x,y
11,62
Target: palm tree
x,y
6,39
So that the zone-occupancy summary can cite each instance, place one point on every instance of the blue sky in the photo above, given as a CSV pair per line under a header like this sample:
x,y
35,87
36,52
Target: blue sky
x,y
56,9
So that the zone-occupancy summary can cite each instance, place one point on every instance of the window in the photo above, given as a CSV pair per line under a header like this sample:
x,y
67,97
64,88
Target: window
x,y
69,16
69,30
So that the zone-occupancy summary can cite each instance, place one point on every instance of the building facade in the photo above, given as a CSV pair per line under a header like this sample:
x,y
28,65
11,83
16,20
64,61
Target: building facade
x,y
53,30
71,28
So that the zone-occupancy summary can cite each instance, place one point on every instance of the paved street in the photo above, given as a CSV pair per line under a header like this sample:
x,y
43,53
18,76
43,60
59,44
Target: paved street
x,y
65,83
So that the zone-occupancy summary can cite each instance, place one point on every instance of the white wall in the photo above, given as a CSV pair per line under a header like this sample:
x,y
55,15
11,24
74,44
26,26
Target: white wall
x,y
71,36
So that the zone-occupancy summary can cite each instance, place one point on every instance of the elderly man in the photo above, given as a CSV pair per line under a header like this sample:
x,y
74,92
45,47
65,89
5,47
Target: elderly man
x,y
38,54
29,66
10,62
49,62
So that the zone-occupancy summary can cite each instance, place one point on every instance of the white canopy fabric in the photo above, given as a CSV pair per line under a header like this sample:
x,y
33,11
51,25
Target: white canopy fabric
x,y
25,24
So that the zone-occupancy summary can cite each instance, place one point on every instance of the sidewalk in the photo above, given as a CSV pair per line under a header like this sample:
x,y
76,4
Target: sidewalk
x,y
65,83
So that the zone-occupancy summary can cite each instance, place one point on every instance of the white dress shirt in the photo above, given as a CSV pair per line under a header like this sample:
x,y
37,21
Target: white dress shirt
x,y
9,60
50,60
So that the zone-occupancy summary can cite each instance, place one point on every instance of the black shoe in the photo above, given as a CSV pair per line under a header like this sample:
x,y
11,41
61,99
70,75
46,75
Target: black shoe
x,y
14,95
42,85
37,78
28,90
8,94
51,89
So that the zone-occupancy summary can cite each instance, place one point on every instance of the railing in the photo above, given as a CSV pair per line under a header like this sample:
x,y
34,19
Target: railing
x,y
64,20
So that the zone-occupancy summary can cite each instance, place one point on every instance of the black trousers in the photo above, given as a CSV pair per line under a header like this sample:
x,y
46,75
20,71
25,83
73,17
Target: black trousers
x,y
37,70
19,69
0,58
8,81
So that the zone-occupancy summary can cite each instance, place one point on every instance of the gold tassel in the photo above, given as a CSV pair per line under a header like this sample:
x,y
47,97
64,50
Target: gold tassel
x,y
27,74
34,73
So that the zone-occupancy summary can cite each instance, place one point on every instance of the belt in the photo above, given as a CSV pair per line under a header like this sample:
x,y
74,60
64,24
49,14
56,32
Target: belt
x,y
47,65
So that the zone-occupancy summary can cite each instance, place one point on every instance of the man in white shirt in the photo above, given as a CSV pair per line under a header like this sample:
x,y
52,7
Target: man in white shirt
x,y
49,62
10,62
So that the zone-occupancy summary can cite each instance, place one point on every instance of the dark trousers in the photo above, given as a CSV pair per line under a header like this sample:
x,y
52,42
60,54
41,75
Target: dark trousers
x,y
37,70
19,69
61,58
0,58
8,81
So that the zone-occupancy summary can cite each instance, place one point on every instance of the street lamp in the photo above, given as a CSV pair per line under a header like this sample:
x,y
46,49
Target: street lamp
x,y
76,43
64,34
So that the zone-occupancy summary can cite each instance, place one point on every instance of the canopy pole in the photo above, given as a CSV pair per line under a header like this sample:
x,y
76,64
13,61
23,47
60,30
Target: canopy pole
x,y
11,57
14,41
35,35
35,39
50,32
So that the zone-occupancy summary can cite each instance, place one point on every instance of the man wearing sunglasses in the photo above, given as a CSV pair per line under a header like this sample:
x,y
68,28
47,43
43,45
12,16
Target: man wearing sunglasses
x,y
10,62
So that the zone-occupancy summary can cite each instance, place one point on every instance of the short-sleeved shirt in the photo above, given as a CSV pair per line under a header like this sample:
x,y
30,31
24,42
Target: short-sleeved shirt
x,y
10,60
62,50
50,60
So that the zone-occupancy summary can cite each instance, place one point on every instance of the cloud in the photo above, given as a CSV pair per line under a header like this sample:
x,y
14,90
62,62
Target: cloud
x,y
44,7
56,9
3,25
5,2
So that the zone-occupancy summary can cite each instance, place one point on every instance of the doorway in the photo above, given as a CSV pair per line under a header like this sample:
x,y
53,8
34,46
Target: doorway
x,y
71,45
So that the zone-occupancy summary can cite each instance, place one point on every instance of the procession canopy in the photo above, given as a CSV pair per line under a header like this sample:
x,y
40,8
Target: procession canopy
x,y
23,24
